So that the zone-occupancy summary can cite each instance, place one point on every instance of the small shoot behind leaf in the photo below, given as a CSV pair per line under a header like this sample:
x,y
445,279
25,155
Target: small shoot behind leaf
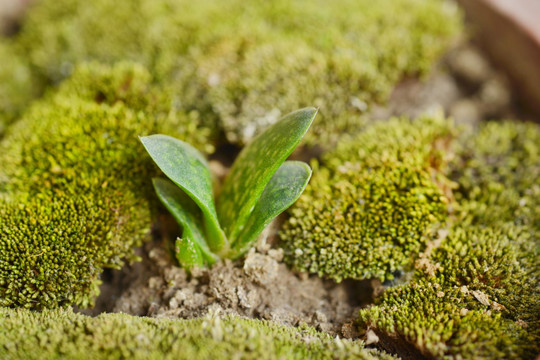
x,y
192,249
260,186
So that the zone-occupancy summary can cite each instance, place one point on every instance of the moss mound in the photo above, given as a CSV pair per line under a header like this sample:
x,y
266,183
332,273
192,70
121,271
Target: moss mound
x,y
61,334
369,210
475,292
243,65
74,181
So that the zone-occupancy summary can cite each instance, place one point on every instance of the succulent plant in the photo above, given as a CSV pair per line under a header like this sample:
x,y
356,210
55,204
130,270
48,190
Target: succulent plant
x,y
260,185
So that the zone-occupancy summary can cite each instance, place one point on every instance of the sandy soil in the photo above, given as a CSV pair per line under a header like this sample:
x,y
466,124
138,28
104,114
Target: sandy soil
x,y
259,286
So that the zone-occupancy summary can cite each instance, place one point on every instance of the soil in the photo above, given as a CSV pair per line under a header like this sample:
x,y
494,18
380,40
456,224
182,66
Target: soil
x,y
259,286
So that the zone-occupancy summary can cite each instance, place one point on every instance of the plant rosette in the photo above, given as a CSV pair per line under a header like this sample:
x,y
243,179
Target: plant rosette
x,y
260,186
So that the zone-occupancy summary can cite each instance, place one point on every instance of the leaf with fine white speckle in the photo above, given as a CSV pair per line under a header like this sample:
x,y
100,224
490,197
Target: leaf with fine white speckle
x,y
282,191
255,166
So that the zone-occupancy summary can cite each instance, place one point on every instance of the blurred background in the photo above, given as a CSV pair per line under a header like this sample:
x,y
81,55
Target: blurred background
x,y
235,63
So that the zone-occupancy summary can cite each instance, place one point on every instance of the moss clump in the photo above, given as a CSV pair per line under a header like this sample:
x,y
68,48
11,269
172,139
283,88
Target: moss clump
x,y
462,300
475,293
256,61
74,181
370,209
62,334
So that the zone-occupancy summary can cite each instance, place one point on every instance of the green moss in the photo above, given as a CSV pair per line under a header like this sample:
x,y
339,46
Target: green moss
x,y
342,57
498,171
61,334
370,208
475,293
476,296
15,84
244,66
74,183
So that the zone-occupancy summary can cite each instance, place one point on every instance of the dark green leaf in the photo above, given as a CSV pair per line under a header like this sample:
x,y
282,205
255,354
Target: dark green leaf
x,y
255,166
282,191
187,168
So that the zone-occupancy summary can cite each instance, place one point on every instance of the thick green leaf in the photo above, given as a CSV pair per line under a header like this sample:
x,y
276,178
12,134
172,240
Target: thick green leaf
x,y
187,168
255,166
282,191
191,249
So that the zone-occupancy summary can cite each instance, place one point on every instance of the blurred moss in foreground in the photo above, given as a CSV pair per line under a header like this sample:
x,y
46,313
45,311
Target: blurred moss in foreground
x,y
61,334
74,183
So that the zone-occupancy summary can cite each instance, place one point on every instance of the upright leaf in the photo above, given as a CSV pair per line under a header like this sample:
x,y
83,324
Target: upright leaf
x,y
191,249
187,168
255,166
282,191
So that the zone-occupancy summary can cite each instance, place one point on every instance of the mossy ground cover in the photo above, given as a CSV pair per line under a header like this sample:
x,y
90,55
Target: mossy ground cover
x,y
60,334
459,212
456,209
16,89
75,183
242,65
373,203
475,291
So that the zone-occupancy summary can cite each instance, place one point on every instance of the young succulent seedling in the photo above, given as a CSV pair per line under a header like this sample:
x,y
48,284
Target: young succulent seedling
x,y
259,186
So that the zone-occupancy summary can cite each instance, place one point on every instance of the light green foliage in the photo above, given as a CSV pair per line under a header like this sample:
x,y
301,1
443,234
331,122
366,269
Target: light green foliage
x,y
494,193
258,187
475,294
244,64
370,208
15,84
61,334
188,169
193,246
74,184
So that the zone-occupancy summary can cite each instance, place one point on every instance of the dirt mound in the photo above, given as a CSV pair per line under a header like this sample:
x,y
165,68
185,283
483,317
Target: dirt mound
x,y
258,286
